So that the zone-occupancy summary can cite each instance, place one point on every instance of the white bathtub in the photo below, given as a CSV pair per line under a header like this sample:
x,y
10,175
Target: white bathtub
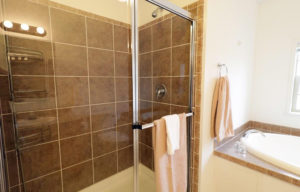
x,y
278,149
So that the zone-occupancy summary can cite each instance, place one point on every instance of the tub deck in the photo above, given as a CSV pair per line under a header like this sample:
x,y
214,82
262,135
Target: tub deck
x,y
227,151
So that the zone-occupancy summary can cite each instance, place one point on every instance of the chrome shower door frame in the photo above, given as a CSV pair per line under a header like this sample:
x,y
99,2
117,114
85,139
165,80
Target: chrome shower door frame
x,y
135,78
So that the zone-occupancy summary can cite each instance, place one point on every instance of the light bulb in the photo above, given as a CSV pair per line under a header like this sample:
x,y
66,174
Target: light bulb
x,y
24,27
40,30
8,24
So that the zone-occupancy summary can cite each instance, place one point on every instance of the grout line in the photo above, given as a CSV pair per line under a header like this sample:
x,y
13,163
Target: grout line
x,y
89,47
74,136
166,76
39,177
55,93
70,76
152,84
1,108
108,128
9,151
146,145
18,168
104,154
69,107
115,91
165,48
171,63
156,102
74,11
114,151
63,76
89,96
2,130
17,185
75,164
70,44
6,165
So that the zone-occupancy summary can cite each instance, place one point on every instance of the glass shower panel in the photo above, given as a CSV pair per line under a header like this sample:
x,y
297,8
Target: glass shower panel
x,y
67,109
164,61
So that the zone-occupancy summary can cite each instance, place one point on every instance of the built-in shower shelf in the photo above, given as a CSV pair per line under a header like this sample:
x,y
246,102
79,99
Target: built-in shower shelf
x,y
31,91
18,55
35,123
29,101
21,95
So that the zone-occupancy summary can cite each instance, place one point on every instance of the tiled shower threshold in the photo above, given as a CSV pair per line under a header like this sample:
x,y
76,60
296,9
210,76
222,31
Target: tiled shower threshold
x,y
228,152
123,181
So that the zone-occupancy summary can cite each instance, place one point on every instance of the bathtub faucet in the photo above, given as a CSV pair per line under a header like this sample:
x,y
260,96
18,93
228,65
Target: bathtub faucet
x,y
247,133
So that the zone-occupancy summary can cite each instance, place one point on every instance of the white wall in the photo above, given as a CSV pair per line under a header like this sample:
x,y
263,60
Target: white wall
x,y
242,179
229,38
278,32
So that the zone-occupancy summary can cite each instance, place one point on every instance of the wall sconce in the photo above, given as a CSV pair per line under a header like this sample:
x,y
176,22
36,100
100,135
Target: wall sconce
x,y
40,30
8,24
23,28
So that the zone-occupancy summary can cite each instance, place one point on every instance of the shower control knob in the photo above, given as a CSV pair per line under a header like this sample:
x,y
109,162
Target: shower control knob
x,y
161,91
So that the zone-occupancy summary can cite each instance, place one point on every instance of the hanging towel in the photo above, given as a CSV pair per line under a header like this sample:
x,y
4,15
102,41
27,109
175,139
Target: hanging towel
x,y
173,132
170,170
221,117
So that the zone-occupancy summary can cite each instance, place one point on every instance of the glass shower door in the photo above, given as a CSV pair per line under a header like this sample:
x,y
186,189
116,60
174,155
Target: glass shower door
x,y
164,78
66,95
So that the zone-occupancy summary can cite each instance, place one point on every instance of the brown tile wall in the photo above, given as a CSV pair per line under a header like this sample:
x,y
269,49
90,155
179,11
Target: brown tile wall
x,y
164,59
160,49
6,120
60,94
73,105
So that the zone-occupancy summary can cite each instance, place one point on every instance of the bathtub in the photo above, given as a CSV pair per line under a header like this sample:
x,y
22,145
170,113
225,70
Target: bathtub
x,y
280,150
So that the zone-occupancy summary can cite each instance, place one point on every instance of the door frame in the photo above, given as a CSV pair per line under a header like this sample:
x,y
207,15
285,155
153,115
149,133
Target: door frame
x,y
164,4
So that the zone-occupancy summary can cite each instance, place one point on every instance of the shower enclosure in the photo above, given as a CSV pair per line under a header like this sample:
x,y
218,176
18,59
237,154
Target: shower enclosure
x,y
80,81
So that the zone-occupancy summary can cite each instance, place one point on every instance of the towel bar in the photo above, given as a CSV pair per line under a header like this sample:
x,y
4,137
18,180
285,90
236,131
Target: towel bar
x,y
149,125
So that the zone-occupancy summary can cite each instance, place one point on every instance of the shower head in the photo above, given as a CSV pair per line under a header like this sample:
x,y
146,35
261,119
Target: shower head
x,y
155,12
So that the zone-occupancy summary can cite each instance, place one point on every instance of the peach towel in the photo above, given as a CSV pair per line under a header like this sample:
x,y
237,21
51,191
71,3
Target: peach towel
x,y
221,116
170,170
